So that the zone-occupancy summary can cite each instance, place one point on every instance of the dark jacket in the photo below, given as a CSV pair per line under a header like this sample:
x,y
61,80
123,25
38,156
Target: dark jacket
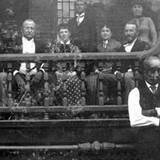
x,y
57,47
137,47
112,46
84,35
17,49
41,47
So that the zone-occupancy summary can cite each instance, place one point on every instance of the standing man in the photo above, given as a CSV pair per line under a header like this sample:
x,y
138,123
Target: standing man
x,y
83,28
132,44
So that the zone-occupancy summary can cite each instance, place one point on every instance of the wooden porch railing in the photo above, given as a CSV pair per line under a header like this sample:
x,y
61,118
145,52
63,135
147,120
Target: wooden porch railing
x,y
76,128
81,59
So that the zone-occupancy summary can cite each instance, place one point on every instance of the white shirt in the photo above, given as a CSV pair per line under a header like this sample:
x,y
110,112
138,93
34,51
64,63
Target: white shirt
x,y
28,47
149,86
80,18
67,43
137,119
105,43
128,47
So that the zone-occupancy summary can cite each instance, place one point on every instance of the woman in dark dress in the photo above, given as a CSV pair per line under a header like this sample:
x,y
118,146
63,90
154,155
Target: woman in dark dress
x,y
68,83
106,44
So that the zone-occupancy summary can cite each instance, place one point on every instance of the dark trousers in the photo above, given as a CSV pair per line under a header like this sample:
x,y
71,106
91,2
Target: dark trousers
x,y
109,88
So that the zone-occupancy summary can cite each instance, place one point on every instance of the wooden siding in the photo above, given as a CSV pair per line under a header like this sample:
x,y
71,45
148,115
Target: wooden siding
x,y
44,12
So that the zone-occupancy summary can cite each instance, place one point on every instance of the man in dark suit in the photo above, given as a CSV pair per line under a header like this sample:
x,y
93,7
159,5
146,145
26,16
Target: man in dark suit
x,y
132,44
27,44
83,28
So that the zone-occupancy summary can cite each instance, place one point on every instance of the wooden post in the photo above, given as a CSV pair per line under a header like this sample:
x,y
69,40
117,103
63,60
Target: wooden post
x,y
46,90
136,73
119,87
83,88
65,100
9,78
101,94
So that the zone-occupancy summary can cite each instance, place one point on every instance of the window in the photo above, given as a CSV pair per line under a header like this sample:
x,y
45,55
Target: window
x,y
65,10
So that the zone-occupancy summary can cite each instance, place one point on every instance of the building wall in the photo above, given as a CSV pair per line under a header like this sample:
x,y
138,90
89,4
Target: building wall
x,y
48,13
44,12
114,12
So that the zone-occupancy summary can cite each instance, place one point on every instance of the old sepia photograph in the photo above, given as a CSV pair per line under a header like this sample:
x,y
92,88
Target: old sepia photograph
x,y
79,79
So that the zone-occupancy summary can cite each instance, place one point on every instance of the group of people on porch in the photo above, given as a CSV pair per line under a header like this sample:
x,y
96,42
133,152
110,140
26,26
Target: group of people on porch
x,y
77,36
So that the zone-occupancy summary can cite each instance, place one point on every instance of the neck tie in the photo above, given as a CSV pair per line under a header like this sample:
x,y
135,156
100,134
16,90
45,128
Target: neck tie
x,y
78,19
105,44
153,88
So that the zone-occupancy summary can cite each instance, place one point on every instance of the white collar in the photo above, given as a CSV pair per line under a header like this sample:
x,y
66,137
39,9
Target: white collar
x,y
130,44
128,47
68,42
80,15
149,85
105,41
24,39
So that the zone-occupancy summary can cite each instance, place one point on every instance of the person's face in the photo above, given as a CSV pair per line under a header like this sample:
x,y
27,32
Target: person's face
x,y
106,33
130,32
137,10
152,72
64,34
80,7
29,30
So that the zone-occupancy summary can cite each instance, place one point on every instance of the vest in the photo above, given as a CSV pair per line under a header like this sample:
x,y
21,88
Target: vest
x,y
148,100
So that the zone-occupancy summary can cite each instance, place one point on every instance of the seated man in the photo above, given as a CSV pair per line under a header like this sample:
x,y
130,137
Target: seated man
x,y
132,44
144,101
27,44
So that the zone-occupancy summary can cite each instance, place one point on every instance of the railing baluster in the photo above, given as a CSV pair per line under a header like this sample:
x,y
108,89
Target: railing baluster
x,y
83,88
65,100
136,73
101,94
119,87
46,90
9,78
27,87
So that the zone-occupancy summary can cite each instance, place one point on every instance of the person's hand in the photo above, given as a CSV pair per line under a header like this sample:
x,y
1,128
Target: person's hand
x,y
20,82
75,109
38,76
118,74
150,112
